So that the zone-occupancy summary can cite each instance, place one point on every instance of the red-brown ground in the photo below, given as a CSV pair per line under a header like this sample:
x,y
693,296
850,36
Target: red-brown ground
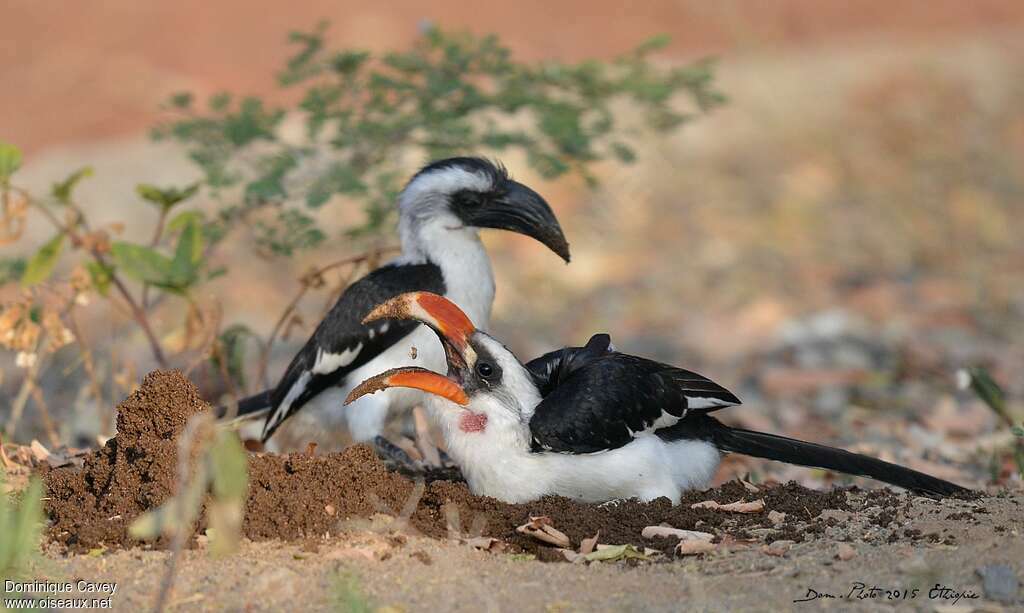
x,y
304,495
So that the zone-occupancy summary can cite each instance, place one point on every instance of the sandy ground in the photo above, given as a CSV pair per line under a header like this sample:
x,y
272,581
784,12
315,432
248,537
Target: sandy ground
x,y
420,574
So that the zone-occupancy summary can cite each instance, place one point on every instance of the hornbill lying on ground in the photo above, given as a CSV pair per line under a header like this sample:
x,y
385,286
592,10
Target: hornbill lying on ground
x,y
589,423
441,211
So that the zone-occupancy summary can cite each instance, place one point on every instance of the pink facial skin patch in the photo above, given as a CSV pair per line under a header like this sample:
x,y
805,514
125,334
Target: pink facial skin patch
x,y
472,422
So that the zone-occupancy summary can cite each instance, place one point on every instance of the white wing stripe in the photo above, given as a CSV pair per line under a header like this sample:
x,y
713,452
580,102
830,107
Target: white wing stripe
x,y
697,402
326,363
282,409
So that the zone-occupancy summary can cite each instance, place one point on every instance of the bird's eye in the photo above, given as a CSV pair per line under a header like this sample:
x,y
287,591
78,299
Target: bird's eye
x,y
468,199
484,369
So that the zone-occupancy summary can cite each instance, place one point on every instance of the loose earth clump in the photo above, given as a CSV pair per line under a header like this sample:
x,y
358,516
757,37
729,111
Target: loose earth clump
x,y
306,495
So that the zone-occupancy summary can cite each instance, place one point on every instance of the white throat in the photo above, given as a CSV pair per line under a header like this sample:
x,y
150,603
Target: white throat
x,y
444,240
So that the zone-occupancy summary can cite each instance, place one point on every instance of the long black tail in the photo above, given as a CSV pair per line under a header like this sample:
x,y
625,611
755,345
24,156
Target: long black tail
x,y
248,408
792,451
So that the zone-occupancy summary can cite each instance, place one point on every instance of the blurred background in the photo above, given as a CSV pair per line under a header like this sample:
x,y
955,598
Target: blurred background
x,y
834,243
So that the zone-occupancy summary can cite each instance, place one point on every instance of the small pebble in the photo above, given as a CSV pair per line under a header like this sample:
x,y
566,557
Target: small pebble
x,y
777,548
845,552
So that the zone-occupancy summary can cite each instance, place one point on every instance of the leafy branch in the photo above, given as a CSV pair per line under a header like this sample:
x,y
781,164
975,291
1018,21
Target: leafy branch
x,y
451,93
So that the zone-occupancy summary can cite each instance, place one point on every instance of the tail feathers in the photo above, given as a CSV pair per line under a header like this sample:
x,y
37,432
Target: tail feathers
x,y
257,405
792,451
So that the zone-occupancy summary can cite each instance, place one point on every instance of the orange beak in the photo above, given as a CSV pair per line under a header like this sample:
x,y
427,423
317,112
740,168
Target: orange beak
x,y
415,378
452,327
441,314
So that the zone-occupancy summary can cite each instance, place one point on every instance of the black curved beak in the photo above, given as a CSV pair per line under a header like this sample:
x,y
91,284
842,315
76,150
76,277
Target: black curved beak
x,y
522,210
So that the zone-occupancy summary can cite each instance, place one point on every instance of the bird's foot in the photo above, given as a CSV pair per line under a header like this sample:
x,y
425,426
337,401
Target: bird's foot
x,y
446,460
395,457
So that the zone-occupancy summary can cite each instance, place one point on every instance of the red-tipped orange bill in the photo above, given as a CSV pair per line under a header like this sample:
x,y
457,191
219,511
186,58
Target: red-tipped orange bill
x,y
441,314
414,377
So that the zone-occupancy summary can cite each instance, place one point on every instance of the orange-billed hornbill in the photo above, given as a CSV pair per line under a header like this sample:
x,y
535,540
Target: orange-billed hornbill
x,y
441,210
589,423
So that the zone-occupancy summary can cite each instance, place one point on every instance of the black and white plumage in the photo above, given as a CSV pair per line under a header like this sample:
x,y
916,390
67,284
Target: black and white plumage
x,y
341,343
582,413
590,423
441,211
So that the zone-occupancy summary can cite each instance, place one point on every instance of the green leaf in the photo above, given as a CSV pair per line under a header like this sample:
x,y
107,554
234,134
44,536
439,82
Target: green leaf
x,y
1017,431
623,152
101,275
251,123
339,179
183,219
10,161
181,100
166,198
348,62
188,254
229,467
62,191
11,269
270,184
230,475
215,273
22,527
220,102
989,391
143,264
41,266
232,351
615,552
654,43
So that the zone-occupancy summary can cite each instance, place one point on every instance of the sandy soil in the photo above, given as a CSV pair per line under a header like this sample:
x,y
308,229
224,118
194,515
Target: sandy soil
x,y
416,573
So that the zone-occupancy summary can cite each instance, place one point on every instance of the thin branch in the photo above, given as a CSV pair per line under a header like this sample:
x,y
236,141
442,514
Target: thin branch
x,y
18,406
217,354
157,233
44,413
88,361
138,314
209,325
140,318
265,351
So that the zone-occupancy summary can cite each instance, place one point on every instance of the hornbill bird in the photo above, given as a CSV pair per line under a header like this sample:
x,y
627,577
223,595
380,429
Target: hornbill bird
x,y
441,210
589,423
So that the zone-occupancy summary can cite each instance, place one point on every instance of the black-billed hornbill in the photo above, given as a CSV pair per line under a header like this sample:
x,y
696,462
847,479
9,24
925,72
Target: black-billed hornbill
x,y
441,210
589,423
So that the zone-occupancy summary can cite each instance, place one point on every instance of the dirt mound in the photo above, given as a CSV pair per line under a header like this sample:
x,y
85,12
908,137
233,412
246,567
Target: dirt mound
x,y
133,472
299,496
290,496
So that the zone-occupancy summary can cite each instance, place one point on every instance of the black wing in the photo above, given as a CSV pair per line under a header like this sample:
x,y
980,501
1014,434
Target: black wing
x,y
341,343
606,401
550,369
